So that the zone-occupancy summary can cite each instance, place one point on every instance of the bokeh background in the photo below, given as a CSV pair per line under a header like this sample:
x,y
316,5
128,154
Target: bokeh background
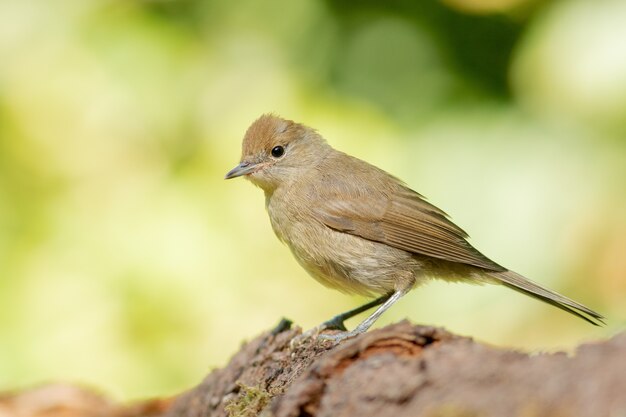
x,y
128,263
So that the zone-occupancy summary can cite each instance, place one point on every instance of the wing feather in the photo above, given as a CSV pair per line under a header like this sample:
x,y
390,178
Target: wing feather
x,y
400,218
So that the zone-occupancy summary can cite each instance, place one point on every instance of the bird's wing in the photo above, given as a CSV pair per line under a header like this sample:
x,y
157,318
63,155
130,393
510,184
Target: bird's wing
x,y
401,218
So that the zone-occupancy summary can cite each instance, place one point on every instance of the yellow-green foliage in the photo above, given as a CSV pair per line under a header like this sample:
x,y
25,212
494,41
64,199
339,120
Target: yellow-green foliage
x,y
128,263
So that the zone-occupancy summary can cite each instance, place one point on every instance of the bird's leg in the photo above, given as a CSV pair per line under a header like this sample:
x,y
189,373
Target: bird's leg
x,y
337,322
367,323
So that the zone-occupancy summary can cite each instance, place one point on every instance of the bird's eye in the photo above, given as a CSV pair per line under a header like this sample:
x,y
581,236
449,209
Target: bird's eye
x,y
278,151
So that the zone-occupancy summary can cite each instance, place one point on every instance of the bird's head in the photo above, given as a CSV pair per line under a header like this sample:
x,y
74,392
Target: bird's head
x,y
276,151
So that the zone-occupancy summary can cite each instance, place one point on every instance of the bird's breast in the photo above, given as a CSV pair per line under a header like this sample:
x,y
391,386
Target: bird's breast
x,y
336,259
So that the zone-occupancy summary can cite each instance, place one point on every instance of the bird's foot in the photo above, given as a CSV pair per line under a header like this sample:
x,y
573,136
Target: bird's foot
x,y
305,336
341,336
336,323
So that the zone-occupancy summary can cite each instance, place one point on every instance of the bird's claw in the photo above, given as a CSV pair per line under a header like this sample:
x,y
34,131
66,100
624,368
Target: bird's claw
x,y
298,340
338,337
316,333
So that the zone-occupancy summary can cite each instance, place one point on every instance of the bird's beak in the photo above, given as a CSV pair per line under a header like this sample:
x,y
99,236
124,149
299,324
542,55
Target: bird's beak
x,y
241,169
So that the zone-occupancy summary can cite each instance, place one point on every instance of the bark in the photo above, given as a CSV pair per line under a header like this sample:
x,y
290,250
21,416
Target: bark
x,y
400,370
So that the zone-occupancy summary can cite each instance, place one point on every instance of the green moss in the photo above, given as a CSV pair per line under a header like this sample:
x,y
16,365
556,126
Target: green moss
x,y
249,403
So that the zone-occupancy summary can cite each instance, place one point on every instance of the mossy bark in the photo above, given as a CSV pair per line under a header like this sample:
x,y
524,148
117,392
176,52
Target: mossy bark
x,y
399,370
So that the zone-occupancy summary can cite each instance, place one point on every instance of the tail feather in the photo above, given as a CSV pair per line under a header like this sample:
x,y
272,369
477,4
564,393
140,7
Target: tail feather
x,y
519,283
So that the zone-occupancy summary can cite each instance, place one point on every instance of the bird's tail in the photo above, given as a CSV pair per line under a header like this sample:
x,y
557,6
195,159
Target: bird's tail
x,y
526,286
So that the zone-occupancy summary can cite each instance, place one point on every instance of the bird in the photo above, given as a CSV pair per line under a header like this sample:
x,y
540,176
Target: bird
x,y
358,229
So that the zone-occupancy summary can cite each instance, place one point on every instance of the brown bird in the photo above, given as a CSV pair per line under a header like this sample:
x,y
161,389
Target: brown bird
x,y
360,230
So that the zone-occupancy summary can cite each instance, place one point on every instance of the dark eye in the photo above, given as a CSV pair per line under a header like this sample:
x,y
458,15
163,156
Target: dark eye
x,y
278,151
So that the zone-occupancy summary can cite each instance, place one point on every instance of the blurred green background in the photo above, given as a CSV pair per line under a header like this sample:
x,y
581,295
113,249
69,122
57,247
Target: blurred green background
x,y
128,263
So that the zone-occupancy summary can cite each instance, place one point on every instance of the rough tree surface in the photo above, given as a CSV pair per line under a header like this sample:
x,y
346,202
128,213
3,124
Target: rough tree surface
x,y
400,370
